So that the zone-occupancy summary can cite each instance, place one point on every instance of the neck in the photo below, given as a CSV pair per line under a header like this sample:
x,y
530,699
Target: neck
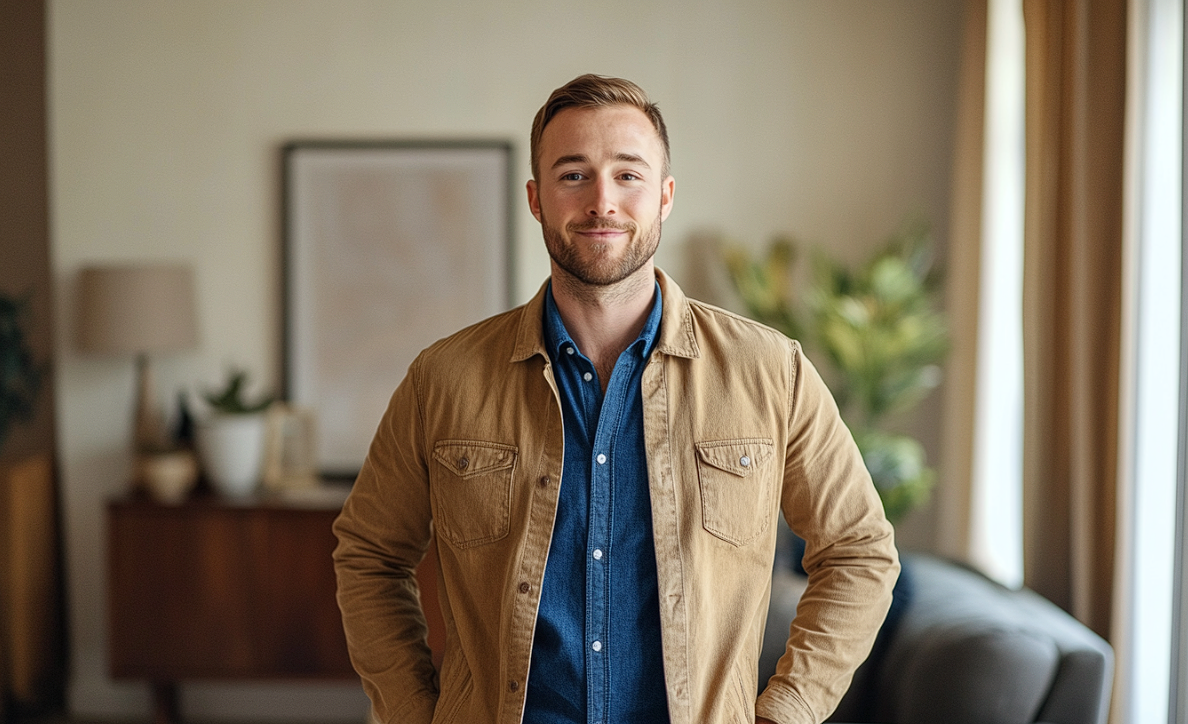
x,y
604,321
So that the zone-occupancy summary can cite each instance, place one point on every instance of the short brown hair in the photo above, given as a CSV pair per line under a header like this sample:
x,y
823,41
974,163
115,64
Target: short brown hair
x,y
592,91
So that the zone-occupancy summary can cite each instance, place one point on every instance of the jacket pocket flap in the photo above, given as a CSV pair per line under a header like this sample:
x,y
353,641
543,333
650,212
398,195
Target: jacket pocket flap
x,y
737,457
468,458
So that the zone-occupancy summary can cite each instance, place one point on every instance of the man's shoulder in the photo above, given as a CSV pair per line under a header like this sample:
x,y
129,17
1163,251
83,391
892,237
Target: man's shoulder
x,y
713,322
481,339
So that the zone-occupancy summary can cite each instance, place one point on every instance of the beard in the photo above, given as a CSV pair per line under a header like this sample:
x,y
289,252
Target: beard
x,y
595,264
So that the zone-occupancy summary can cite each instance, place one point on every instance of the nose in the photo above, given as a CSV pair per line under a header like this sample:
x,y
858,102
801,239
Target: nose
x,y
602,201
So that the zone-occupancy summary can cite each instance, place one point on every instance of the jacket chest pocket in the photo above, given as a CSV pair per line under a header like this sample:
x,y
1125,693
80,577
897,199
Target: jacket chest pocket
x,y
736,479
472,490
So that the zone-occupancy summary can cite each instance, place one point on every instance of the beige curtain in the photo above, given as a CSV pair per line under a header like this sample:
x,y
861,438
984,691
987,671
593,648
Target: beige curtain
x,y
953,495
1076,71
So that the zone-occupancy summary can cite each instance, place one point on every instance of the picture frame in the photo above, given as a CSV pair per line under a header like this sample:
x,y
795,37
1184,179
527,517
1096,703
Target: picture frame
x,y
290,445
388,246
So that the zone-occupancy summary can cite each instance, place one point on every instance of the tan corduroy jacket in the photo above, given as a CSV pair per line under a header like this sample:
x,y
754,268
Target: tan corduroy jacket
x,y
738,427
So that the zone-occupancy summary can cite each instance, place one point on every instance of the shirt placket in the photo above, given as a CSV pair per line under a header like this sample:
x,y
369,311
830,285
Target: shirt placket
x,y
601,554
597,548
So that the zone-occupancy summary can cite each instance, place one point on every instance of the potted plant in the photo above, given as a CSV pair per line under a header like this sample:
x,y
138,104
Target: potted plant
x,y
881,334
230,438
20,375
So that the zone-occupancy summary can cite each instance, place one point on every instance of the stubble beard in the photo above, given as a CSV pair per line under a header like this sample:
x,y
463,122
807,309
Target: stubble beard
x,y
601,269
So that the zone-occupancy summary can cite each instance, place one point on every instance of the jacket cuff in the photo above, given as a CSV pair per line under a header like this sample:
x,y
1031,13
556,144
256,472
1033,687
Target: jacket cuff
x,y
784,706
417,710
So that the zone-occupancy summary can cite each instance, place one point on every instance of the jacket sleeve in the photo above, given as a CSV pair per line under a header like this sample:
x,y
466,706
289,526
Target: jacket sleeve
x,y
829,500
383,533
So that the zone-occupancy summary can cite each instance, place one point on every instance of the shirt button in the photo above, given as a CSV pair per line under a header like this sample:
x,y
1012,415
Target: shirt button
x,y
524,587
744,461
513,685
544,481
463,463
597,554
601,459
597,646
587,377
569,350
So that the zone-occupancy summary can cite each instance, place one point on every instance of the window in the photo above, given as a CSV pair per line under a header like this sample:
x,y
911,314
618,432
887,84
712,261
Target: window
x,y
997,486
1154,243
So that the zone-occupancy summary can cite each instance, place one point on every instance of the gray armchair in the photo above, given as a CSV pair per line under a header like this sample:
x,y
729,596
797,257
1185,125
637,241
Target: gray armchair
x,y
958,647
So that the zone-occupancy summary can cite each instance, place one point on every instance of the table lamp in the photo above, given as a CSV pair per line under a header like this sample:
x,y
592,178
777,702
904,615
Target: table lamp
x,y
138,310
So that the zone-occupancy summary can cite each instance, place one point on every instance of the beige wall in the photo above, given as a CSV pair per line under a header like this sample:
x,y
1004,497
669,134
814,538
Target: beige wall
x,y
827,119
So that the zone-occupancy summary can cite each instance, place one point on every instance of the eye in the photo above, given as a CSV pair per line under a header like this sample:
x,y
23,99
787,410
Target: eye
x,y
572,176
628,176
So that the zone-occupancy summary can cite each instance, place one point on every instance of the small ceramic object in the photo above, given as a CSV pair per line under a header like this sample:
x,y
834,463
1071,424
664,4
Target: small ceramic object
x,y
169,476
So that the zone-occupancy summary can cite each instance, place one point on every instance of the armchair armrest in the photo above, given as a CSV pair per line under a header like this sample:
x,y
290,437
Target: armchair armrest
x,y
970,650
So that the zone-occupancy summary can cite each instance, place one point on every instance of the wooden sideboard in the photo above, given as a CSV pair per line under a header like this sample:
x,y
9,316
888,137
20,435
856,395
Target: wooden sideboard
x,y
220,590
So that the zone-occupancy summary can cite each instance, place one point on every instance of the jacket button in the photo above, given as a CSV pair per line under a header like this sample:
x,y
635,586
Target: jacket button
x,y
544,481
513,685
463,463
525,588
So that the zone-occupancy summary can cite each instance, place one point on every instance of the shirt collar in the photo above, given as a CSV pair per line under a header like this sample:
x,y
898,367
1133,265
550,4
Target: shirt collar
x,y
556,337
676,336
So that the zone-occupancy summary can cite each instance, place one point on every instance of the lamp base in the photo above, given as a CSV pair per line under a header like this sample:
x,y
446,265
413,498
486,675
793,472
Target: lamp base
x,y
150,436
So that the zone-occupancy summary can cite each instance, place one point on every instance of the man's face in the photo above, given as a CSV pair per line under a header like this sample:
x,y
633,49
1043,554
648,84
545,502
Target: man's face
x,y
601,197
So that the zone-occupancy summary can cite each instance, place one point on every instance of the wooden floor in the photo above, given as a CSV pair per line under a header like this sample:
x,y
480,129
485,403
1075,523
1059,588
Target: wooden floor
x,y
61,719
65,719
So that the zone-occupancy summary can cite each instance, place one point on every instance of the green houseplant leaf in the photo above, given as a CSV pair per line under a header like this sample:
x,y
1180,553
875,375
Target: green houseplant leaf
x,y
878,327
232,398
20,374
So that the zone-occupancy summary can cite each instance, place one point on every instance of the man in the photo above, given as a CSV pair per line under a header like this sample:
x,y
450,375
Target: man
x,y
603,469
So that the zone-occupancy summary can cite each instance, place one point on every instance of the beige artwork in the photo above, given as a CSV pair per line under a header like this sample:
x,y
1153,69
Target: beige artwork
x,y
388,249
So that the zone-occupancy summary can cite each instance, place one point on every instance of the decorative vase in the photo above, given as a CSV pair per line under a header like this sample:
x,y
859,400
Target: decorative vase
x,y
231,450
169,476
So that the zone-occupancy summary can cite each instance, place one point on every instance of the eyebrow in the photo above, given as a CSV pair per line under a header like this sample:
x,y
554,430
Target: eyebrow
x,y
582,158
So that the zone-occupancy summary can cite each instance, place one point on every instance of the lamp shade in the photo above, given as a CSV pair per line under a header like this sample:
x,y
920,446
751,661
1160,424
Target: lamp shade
x,y
136,309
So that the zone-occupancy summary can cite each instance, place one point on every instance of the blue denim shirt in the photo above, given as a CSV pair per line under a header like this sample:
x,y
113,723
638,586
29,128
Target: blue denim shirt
x,y
596,655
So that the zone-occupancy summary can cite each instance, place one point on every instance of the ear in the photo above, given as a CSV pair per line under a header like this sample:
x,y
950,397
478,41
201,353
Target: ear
x,y
534,198
667,190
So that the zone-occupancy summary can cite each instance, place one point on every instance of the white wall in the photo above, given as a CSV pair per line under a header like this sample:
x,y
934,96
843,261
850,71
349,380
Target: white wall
x,y
827,119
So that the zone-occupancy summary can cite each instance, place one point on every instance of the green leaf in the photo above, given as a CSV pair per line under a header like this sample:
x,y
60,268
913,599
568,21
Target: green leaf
x,y
231,399
878,326
20,373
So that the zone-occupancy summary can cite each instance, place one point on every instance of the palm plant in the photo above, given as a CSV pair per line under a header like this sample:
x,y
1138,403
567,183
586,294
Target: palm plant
x,y
880,331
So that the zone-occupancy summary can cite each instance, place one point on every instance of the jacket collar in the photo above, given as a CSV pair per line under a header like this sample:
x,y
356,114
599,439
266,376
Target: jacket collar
x,y
676,335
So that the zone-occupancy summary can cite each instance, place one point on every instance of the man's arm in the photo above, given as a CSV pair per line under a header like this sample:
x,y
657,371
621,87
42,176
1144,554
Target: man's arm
x,y
830,502
383,533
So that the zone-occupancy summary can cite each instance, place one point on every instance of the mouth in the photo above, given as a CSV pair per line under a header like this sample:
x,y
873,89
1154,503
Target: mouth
x,y
602,234
600,231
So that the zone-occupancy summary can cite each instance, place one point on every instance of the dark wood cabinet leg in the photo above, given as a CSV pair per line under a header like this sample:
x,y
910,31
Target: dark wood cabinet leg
x,y
165,705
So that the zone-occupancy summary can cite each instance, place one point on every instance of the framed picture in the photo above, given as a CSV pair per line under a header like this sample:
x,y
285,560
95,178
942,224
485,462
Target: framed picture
x,y
388,247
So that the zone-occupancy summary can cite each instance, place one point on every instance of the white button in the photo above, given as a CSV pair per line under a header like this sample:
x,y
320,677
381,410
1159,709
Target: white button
x,y
597,646
744,461
601,459
597,554
587,377
569,350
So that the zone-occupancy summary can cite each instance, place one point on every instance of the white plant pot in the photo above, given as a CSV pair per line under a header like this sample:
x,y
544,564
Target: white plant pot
x,y
231,450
